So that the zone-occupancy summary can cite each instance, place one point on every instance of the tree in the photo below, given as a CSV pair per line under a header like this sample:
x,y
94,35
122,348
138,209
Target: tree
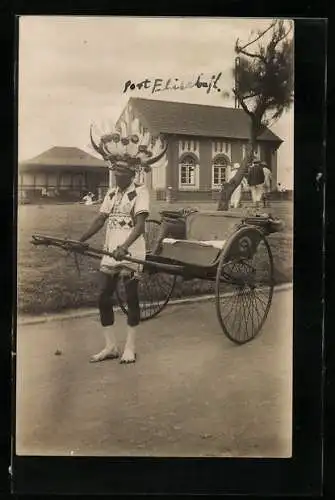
x,y
263,88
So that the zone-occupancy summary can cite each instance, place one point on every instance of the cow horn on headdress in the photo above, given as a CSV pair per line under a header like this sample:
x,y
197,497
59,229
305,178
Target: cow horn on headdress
x,y
126,146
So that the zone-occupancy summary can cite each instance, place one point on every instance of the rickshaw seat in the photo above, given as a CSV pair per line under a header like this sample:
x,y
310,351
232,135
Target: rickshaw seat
x,y
211,225
206,234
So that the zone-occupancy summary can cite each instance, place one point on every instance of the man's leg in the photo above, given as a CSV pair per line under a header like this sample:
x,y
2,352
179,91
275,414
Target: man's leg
x,y
261,196
107,287
253,190
264,200
131,286
267,198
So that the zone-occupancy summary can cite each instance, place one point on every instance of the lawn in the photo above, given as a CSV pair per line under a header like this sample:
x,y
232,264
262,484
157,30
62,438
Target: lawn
x,y
48,280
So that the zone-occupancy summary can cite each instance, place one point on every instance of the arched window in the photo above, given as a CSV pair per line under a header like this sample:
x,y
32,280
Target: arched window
x,y
187,172
219,172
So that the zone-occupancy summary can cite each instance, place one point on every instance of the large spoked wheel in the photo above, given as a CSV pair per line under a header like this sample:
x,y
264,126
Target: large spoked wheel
x,y
154,290
244,285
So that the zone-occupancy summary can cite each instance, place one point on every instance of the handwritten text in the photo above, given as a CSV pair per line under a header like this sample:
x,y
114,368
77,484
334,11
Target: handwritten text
x,y
159,84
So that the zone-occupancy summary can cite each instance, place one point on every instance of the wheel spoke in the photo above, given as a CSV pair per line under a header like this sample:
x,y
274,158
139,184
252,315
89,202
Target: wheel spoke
x,y
260,303
235,304
252,312
245,312
249,310
257,297
259,314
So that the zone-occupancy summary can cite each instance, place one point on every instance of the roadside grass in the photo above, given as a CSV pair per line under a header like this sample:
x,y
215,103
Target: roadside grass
x,y
48,280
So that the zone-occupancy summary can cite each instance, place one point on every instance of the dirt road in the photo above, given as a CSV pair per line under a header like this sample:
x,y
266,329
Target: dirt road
x,y
191,393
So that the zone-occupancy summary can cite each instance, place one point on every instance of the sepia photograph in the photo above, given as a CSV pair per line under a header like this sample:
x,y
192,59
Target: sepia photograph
x,y
155,234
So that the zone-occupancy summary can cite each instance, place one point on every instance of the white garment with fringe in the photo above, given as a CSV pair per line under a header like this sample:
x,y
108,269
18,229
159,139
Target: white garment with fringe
x,y
122,208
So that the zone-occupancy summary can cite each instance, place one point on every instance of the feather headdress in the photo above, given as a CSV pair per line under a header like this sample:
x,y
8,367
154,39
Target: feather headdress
x,y
125,146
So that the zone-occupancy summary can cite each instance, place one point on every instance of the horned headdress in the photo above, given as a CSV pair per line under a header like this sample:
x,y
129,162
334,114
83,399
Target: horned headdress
x,y
126,146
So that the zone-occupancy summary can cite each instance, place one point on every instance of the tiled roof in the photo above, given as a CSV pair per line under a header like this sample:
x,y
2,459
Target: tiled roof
x,y
195,119
64,157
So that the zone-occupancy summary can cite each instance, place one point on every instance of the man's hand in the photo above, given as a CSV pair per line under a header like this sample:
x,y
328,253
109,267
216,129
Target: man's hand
x,y
120,253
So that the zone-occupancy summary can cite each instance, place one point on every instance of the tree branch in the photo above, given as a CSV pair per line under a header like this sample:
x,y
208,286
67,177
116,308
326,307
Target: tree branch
x,y
249,54
259,36
284,35
254,94
261,108
277,38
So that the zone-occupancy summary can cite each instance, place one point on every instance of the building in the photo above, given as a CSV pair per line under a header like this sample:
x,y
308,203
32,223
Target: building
x,y
64,172
203,142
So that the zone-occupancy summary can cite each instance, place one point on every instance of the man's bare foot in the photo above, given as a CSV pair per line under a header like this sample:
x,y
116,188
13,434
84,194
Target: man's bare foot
x,y
106,353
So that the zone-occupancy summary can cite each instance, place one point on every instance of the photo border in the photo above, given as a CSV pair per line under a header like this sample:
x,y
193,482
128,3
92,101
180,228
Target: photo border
x,y
303,473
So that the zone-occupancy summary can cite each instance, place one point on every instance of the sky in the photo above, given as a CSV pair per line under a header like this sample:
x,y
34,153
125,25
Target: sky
x,y
73,71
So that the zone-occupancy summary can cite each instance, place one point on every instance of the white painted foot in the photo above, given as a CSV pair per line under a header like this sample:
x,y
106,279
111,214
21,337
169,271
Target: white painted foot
x,y
129,356
107,353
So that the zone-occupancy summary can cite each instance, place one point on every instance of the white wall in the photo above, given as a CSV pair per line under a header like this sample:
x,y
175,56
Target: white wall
x,y
285,156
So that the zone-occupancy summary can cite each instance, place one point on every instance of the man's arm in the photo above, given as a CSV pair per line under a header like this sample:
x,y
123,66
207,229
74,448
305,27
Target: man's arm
x,y
96,225
267,177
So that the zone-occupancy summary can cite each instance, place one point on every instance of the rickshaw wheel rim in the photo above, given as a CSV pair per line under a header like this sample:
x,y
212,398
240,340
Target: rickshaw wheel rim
x,y
218,294
154,309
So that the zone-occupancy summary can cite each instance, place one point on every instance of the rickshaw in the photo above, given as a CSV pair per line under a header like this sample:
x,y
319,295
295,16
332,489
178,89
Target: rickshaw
x,y
226,248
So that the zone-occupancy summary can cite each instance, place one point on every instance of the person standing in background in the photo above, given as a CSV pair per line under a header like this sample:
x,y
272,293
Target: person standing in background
x,y
235,200
256,181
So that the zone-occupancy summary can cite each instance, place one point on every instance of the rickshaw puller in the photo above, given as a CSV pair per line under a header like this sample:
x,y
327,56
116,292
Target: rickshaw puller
x,y
125,209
